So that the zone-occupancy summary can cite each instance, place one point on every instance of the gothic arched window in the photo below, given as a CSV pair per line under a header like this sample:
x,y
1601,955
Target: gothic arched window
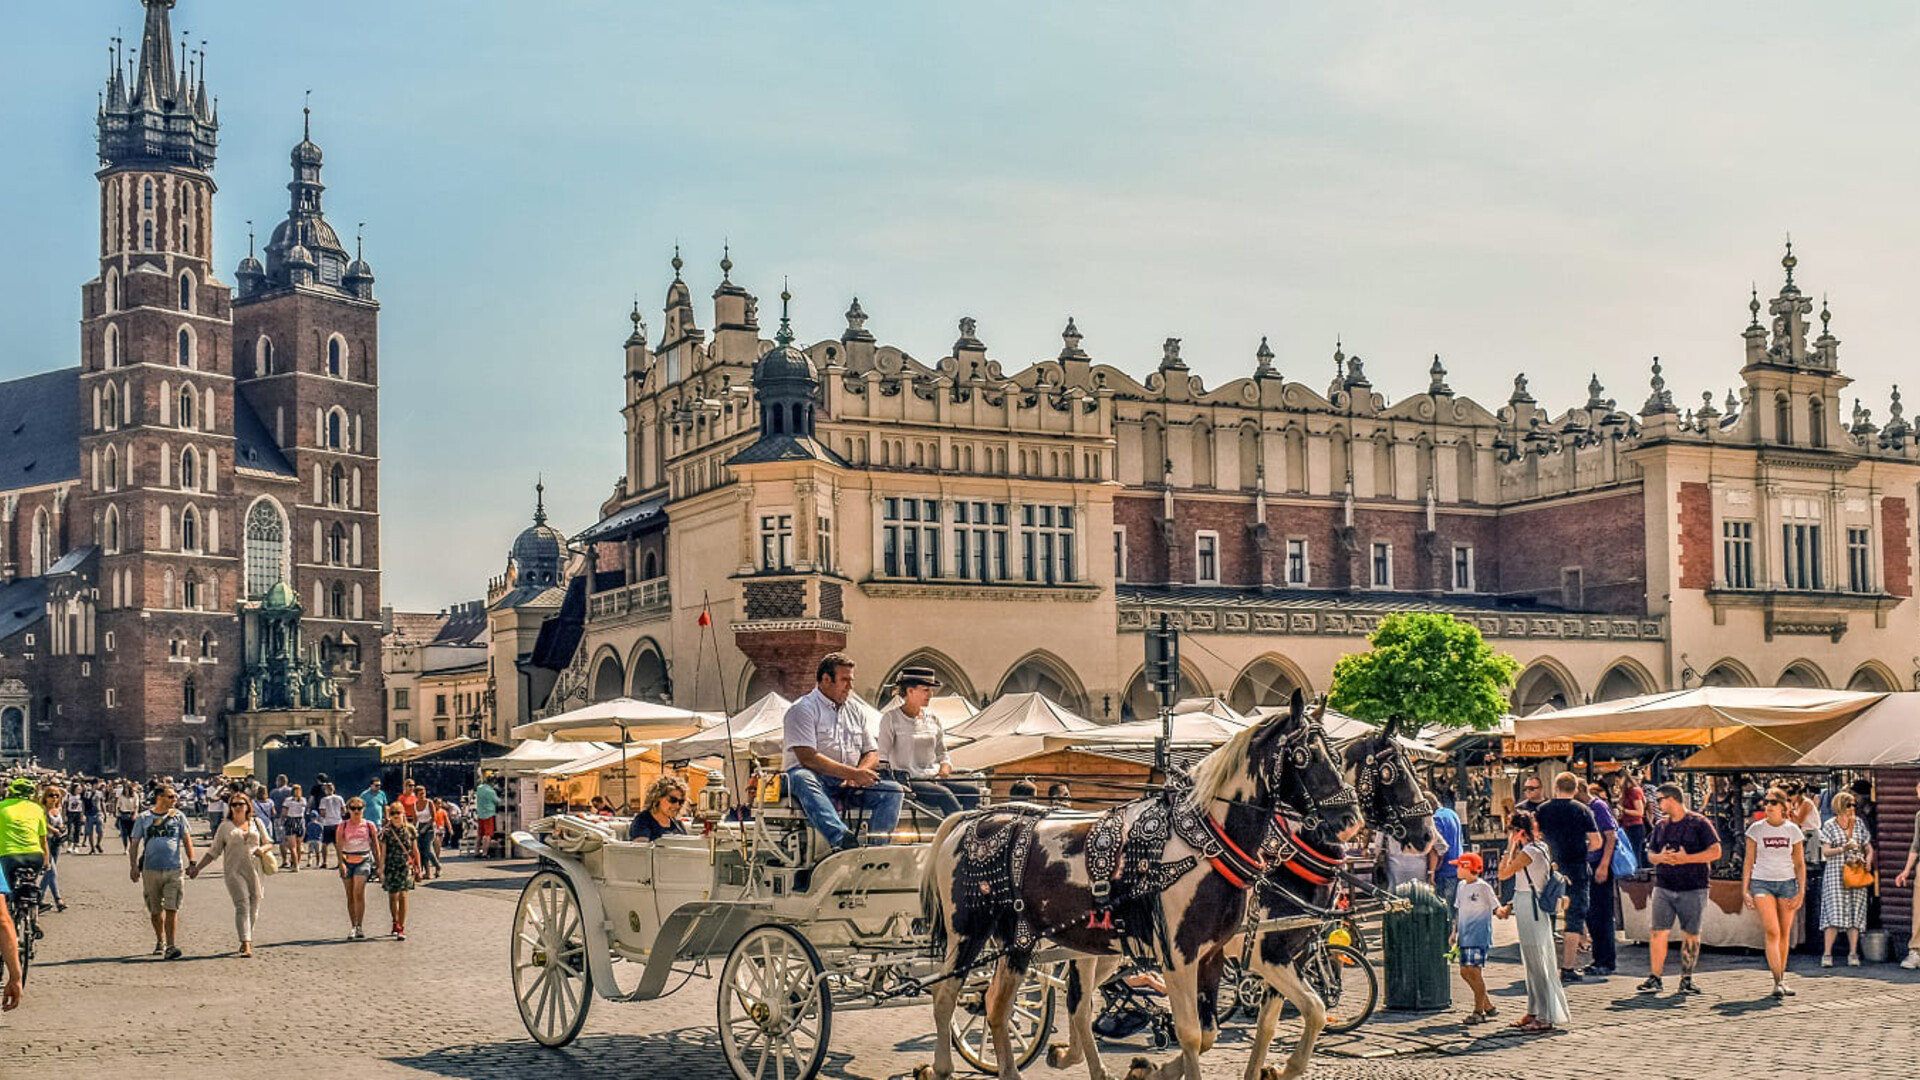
x,y
266,548
189,530
336,420
148,197
337,545
187,401
186,292
190,699
189,471
337,601
146,235
186,348
337,487
335,357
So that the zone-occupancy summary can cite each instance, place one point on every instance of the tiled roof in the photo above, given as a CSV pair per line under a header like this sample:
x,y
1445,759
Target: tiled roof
x,y
624,521
253,444
40,429
415,627
560,635
23,603
786,448
464,624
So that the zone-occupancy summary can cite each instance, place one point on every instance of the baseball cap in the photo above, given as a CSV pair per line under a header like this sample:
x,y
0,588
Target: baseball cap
x,y
1471,861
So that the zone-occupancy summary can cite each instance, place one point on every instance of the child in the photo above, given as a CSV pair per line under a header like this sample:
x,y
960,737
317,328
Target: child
x,y
1473,931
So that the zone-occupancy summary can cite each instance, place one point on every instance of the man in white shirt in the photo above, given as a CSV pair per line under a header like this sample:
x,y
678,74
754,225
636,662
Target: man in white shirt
x,y
829,754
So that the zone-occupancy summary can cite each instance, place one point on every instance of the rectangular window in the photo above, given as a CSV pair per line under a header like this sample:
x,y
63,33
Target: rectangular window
x,y
1462,568
1859,569
1206,558
1296,562
1800,556
108,640
113,697
823,542
910,538
1046,544
776,542
1119,553
439,704
1736,551
400,698
1382,566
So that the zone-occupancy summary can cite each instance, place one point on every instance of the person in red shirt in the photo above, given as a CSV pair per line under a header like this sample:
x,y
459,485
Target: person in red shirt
x,y
409,796
1631,811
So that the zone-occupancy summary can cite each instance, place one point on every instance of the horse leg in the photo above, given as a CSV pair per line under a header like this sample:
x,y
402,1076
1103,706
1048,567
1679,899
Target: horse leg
x,y
1209,998
1084,980
1183,984
1000,994
1313,1016
946,998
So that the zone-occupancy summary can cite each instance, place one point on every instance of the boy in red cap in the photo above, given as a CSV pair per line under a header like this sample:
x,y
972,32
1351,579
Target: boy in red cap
x,y
1473,908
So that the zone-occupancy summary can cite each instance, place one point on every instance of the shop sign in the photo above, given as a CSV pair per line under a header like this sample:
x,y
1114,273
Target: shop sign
x,y
1535,748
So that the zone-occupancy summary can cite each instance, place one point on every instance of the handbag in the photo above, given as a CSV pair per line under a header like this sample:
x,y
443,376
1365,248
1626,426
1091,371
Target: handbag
x,y
1625,863
1856,875
269,862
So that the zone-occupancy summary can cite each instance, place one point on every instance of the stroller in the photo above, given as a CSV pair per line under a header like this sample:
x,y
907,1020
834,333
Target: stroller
x,y
1132,1001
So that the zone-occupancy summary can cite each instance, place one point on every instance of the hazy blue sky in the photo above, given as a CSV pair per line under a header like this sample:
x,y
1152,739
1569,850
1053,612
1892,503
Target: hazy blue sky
x,y
1518,189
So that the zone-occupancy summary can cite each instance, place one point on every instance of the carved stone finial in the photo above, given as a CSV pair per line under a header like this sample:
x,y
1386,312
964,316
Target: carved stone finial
x,y
1660,402
1263,358
1070,342
1753,306
1170,355
1520,394
676,263
1594,392
726,264
1356,373
1437,378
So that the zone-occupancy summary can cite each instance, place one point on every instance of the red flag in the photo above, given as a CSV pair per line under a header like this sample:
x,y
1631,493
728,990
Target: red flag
x,y
705,619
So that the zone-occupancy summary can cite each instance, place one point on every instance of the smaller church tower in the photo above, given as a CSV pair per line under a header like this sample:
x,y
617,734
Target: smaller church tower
x,y
1793,385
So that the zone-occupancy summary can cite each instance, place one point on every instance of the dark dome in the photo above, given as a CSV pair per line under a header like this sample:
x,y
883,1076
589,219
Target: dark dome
x,y
250,267
359,271
306,153
783,362
537,555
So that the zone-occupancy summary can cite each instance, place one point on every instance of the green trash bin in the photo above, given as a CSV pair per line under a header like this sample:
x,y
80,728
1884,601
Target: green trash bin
x,y
1415,943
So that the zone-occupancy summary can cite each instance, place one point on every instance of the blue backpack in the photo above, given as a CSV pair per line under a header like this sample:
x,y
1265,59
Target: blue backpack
x,y
1625,863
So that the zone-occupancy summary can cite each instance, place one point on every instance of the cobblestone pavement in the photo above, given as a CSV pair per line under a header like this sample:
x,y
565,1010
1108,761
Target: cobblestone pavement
x,y
438,1005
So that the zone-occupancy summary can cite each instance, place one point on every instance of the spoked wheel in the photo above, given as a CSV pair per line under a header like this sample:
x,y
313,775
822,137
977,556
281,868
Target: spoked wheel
x,y
1348,984
1242,992
1027,1027
551,982
776,1014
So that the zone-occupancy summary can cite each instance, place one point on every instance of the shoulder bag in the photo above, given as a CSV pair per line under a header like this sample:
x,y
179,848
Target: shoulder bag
x,y
1625,863
263,852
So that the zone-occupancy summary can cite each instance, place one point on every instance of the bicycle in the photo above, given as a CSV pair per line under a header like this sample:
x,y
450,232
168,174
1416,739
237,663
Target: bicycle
x,y
1336,969
23,903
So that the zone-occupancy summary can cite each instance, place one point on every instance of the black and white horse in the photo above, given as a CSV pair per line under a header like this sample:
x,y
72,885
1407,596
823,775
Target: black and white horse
x,y
1184,923
1302,879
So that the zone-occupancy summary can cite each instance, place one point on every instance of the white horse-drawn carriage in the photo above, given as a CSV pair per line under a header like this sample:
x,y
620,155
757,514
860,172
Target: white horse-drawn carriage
x,y
798,932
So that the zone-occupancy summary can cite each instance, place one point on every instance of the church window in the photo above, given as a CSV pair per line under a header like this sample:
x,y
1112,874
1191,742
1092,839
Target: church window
x,y
187,401
113,291
146,235
148,196
190,593
206,646
263,355
337,601
43,553
190,699
111,531
186,292
336,361
186,347
189,530
110,408
337,545
337,487
335,437
266,548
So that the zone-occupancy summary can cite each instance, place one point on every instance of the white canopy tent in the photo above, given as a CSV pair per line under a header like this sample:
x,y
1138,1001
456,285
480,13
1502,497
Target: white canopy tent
x,y
1697,717
1016,726
535,755
1198,728
618,720
757,720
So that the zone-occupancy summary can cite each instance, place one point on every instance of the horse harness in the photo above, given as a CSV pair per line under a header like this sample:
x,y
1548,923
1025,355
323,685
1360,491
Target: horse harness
x,y
1376,772
992,869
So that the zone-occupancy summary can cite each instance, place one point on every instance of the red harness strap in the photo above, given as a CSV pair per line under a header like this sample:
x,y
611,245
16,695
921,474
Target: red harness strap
x,y
1322,872
1237,876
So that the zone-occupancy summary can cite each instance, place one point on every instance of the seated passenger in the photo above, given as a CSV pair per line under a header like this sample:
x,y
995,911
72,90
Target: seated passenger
x,y
829,752
665,799
913,747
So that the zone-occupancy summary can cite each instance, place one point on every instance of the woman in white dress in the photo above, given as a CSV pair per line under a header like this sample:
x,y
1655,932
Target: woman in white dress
x,y
1528,863
235,842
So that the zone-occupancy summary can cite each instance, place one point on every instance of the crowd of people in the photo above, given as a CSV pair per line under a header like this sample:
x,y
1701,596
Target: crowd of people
x,y
254,831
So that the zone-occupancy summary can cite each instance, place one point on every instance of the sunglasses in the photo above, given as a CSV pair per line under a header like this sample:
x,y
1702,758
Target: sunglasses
x,y
356,808
1772,802
677,800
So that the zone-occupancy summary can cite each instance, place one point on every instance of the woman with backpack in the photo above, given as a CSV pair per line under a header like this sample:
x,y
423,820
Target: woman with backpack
x,y
1538,893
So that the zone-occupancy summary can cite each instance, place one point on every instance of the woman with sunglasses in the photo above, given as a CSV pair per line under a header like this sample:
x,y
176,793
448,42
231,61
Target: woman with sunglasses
x,y
399,863
665,799
241,833
358,843
1774,879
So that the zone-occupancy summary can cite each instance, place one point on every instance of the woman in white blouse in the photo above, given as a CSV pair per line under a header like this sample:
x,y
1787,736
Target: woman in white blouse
x,y
913,748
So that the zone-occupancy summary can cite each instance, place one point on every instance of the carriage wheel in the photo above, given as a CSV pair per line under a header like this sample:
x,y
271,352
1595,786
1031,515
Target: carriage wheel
x,y
550,978
776,1014
1028,1026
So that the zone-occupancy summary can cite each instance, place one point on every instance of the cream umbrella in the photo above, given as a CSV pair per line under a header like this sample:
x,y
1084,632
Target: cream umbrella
x,y
533,755
618,720
761,718
1697,717
1016,726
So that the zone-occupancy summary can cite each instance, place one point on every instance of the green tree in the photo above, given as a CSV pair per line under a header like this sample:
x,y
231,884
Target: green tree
x,y
1424,669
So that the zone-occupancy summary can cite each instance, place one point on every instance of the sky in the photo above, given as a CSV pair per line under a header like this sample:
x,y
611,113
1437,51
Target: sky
x,y
1518,188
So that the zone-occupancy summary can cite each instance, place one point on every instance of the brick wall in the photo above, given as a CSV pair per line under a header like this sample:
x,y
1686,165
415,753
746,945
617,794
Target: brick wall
x,y
1696,536
1604,537
789,658
1896,543
1146,555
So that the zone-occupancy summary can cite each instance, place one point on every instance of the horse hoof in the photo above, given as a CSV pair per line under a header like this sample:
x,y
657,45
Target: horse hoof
x,y
1059,1056
1268,1072
925,1072
1138,1069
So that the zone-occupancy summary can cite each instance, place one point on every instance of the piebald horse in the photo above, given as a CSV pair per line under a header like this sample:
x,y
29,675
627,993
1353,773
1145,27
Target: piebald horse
x,y
1301,881
1284,761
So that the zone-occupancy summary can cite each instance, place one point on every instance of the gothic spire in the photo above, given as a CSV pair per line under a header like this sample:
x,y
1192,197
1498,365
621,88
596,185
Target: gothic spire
x,y
540,501
785,334
159,114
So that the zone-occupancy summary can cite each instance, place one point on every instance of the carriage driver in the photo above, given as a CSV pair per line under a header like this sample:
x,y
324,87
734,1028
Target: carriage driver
x,y
829,752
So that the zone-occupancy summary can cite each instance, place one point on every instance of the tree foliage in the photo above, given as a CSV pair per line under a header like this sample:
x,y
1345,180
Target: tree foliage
x,y
1424,669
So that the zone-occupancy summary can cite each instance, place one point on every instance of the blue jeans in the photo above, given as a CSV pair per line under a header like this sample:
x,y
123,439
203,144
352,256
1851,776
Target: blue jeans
x,y
815,794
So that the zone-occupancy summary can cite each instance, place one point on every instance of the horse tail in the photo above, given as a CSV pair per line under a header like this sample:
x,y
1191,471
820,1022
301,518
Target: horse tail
x,y
931,907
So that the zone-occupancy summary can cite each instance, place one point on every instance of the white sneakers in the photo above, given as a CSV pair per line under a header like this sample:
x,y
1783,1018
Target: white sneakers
x,y
1912,961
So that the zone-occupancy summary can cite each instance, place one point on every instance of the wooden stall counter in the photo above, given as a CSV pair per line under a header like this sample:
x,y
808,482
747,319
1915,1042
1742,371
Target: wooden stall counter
x,y
1727,921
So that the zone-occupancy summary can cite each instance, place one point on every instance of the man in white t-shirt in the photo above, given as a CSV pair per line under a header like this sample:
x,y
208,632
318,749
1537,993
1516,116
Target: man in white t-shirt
x,y
332,810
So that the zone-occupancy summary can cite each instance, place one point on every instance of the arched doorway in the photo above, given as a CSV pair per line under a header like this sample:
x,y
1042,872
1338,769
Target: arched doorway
x,y
1802,673
1141,701
1544,684
648,679
953,679
609,679
1727,673
1270,680
1044,673
1622,680
1871,678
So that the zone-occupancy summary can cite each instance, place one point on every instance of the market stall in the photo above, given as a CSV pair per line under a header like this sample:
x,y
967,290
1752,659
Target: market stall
x,y
1745,735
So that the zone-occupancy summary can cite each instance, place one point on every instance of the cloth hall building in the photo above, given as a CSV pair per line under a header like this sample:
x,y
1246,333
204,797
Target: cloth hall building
x,y
189,523
1016,530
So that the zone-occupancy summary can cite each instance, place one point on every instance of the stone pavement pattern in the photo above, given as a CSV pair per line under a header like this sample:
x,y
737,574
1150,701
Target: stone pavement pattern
x,y
438,1005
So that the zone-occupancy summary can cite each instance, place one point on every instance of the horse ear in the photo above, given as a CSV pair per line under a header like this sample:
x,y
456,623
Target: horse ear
x,y
1297,704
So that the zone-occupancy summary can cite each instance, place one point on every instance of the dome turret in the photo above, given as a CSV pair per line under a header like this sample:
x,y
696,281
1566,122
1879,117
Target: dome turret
x,y
540,550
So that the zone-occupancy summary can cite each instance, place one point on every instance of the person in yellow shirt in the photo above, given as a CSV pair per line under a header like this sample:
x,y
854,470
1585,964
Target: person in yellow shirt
x,y
23,830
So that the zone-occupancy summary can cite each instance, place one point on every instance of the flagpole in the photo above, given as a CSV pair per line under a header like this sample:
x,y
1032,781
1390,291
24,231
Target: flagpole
x,y
706,624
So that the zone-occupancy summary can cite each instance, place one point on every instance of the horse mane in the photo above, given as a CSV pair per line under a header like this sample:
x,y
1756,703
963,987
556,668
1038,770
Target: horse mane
x,y
1222,767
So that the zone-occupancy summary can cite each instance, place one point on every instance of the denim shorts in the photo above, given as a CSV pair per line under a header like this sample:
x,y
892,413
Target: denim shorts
x,y
363,868
1473,956
1782,890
